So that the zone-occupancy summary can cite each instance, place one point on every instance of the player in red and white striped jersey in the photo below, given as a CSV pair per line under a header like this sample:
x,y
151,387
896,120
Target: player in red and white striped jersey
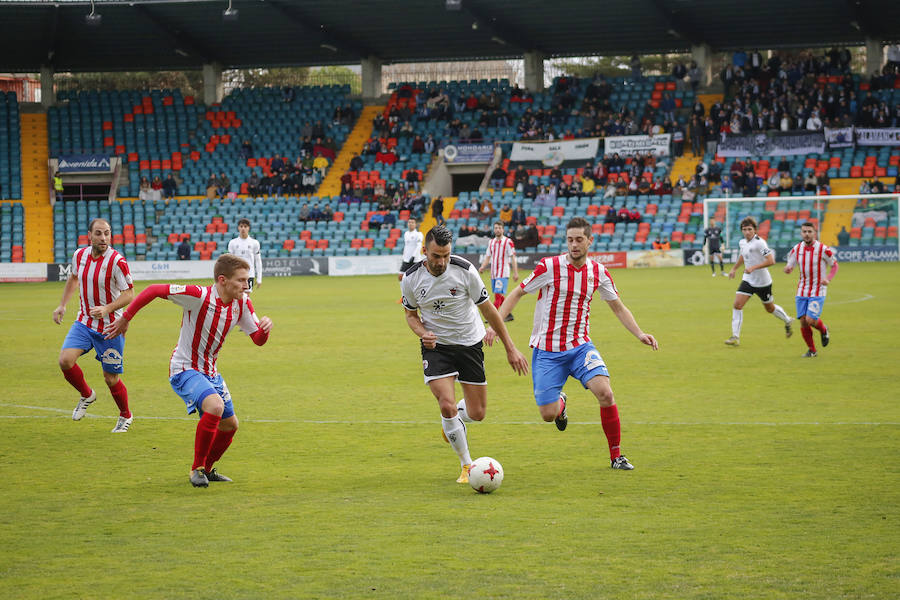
x,y
561,333
501,253
209,314
103,280
812,257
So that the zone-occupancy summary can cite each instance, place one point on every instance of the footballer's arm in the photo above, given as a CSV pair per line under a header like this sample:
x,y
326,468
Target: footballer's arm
x,y
125,296
516,359
71,286
627,319
429,339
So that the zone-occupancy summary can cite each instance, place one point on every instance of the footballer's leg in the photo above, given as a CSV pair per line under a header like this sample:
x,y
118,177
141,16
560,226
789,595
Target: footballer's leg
x,y
212,407
609,419
76,344
737,318
452,426
228,426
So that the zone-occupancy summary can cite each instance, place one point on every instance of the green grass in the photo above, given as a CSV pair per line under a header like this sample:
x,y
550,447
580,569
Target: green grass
x,y
759,474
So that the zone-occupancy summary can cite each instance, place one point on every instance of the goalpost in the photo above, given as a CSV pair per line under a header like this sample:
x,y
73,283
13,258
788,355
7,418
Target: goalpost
x,y
870,219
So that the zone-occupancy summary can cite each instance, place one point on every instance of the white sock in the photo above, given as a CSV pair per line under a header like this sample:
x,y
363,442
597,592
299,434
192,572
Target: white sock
x,y
780,314
737,319
455,430
461,410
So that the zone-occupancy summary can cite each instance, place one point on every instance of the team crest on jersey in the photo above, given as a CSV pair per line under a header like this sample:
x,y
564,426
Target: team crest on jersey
x,y
111,357
814,306
453,291
425,365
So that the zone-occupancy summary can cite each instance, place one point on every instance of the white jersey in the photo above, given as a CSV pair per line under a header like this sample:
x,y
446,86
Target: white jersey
x,y
413,241
754,253
248,249
100,281
812,260
206,322
447,302
500,251
563,309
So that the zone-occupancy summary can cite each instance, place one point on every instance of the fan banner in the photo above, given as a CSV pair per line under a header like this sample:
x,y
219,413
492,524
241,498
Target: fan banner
x,y
583,149
628,145
839,137
84,163
772,143
889,136
469,153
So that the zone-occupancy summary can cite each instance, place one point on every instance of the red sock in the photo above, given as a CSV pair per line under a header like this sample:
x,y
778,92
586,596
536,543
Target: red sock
x,y
76,378
206,432
498,300
120,395
820,325
808,338
219,446
609,417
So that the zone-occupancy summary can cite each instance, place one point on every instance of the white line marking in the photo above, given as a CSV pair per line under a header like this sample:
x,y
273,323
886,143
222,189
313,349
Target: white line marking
x,y
863,299
67,414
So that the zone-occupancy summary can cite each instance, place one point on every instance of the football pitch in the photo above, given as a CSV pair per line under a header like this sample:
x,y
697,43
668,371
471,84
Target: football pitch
x,y
758,473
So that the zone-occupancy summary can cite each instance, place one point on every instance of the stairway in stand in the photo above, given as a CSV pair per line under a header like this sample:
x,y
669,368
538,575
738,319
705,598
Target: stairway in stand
x,y
362,131
36,188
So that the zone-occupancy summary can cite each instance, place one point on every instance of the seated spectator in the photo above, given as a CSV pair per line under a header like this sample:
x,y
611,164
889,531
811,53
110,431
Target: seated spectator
x,y
308,181
876,186
277,164
246,150
287,94
526,237
727,186
520,177
253,184
530,190
418,145
304,214
506,214
843,237
169,187
643,186
518,217
498,177
157,184
429,145
327,212
315,213
146,192
376,221
356,163
412,179
661,243
587,184
212,187
487,209
320,164
798,183
786,182
184,250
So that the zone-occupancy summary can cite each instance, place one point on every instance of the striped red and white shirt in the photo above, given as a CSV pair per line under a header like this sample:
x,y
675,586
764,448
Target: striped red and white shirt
x,y
206,322
100,281
562,313
813,262
500,250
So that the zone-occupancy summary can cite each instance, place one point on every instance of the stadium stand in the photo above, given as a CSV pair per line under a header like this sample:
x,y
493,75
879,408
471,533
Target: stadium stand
x,y
10,147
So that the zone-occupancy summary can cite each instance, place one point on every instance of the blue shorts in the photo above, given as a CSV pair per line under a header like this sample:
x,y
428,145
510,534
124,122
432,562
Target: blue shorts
x,y
108,352
194,386
549,370
499,285
810,306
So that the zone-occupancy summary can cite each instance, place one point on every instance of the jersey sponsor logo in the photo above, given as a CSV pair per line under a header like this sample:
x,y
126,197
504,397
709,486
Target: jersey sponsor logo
x,y
815,306
484,294
111,357
422,292
177,289
592,360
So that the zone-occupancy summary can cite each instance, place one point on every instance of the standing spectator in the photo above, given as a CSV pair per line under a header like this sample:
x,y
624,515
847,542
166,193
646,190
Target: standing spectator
x,y
320,164
412,179
635,67
437,210
58,186
694,76
498,178
246,150
110,281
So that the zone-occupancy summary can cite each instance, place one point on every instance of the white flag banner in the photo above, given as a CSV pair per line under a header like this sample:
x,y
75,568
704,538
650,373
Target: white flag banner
x,y
839,137
657,145
889,136
583,149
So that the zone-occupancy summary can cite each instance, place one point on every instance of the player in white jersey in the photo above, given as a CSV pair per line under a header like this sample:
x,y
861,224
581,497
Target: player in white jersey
x,y
812,257
413,241
501,253
103,280
757,257
247,248
445,289
560,336
209,314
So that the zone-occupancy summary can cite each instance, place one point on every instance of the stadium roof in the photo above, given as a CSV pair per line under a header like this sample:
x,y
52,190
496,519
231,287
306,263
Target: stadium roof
x,y
176,34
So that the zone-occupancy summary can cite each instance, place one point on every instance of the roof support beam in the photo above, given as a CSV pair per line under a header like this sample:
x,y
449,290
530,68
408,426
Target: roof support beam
x,y
499,32
678,26
327,35
180,41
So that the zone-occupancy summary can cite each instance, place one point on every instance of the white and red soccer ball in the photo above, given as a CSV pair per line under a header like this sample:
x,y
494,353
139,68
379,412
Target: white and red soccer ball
x,y
485,475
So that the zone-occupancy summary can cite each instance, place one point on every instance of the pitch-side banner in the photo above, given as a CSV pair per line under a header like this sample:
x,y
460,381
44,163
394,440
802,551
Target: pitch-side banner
x,y
84,163
839,137
889,136
658,145
773,143
10,272
551,152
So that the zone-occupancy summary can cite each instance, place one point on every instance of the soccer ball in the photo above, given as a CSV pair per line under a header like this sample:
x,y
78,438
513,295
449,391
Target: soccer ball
x,y
485,475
